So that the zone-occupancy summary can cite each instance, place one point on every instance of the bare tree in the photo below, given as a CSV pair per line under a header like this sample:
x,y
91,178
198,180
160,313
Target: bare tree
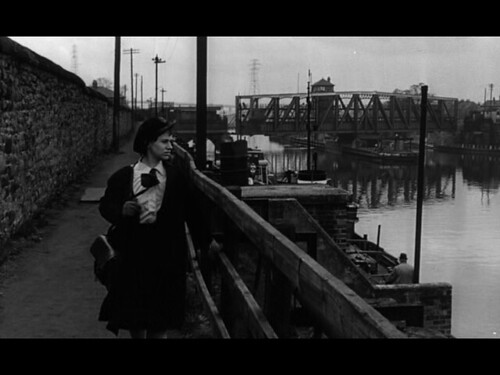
x,y
104,82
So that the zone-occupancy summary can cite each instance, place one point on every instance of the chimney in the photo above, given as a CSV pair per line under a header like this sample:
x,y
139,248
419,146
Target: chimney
x,y
328,79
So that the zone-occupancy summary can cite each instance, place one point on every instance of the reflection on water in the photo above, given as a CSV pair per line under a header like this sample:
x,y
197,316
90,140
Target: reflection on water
x,y
461,221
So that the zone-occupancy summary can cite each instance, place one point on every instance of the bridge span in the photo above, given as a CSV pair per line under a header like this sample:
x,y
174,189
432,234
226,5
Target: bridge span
x,y
343,112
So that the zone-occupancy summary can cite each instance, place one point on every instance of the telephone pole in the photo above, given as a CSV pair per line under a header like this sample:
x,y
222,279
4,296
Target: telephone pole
x,y
135,95
157,61
420,182
201,102
162,92
116,104
141,93
131,52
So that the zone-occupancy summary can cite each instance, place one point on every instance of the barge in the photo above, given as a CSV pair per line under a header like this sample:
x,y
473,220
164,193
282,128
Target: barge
x,y
372,154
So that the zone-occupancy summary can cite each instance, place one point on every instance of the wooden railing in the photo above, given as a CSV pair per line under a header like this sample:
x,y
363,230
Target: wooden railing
x,y
336,309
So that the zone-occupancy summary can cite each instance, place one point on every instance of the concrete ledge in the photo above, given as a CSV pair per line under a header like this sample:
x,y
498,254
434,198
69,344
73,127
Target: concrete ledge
x,y
321,193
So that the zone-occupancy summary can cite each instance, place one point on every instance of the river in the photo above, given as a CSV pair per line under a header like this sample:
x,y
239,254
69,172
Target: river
x,y
460,242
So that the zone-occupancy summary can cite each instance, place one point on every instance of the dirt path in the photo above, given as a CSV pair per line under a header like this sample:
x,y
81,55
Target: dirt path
x,y
47,288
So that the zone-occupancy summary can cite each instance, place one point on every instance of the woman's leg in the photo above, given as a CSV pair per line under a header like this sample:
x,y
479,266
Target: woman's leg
x,y
156,334
138,333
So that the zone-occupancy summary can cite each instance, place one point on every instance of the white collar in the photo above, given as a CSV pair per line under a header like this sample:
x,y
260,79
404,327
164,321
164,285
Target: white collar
x,y
144,168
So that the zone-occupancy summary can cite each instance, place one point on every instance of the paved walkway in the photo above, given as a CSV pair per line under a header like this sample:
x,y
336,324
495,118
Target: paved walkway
x,y
47,289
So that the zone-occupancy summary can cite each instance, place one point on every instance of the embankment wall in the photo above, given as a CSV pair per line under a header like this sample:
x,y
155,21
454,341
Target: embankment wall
x,y
53,128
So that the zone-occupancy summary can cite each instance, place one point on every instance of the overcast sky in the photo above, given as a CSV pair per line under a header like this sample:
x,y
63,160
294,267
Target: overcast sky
x,y
460,67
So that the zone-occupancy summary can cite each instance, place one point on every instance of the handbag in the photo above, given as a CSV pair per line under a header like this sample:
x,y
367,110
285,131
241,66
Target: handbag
x,y
104,257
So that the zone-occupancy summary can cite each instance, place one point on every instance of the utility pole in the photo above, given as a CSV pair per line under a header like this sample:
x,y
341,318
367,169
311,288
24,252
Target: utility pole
x,y
116,104
201,102
157,61
420,182
162,92
309,121
131,52
135,94
125,91
141,94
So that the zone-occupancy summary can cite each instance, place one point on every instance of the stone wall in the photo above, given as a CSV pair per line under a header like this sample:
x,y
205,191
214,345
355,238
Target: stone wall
x,y
52,129
430,302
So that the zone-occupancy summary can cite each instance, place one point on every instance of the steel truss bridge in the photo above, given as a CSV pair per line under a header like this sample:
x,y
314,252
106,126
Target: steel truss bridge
x,y
349,112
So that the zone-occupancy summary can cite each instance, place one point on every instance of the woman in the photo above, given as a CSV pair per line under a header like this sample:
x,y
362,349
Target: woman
x,y
146,204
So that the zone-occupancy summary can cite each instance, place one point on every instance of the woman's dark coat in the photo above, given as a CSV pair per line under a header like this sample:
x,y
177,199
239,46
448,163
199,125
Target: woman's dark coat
x,y
148,278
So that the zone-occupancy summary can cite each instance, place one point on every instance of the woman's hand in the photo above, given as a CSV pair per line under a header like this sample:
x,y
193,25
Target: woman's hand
x,y
131,208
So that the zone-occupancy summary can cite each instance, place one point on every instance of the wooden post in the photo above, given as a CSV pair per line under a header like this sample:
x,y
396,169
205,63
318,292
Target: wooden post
x,y
378,237
420,183
309,125
229,308
116,103
201,102
278,293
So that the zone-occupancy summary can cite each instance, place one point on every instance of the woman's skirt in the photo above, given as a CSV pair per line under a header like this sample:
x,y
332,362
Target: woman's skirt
x,y
148,283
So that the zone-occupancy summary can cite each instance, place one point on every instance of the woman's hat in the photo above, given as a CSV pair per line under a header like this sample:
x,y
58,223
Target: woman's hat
x,y
149,131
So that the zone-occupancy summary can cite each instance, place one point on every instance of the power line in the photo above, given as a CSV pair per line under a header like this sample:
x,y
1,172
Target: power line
x,y
135,99
173,49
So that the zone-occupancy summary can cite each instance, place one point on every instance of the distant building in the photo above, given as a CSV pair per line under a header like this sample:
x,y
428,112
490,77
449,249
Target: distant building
x,y
491,110
323,86
109,94
322,103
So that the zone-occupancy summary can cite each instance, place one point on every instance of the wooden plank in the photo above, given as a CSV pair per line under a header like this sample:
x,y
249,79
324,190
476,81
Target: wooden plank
x,y
251,312
341,312
208,302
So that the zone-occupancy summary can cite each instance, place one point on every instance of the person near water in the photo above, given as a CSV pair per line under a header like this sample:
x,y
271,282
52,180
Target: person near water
x,y
402,273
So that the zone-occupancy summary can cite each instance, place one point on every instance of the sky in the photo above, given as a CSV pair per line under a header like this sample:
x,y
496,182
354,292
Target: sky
x,y
457,67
